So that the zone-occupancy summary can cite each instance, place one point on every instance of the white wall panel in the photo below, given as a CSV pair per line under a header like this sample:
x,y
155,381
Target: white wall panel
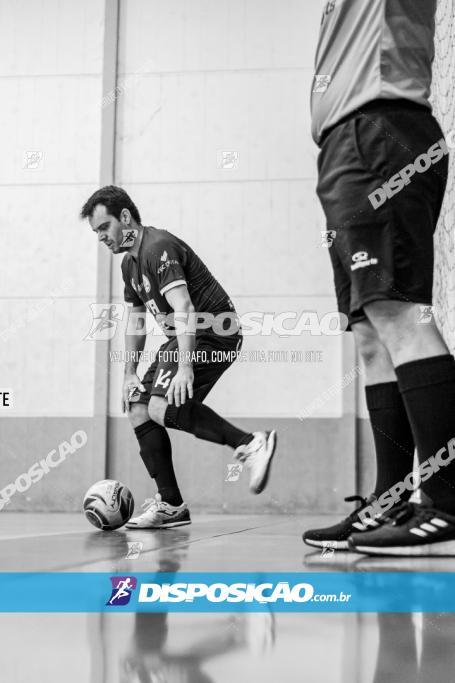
x,y
173,127
51,37
57,117
47,245
47,363
176,35
50,89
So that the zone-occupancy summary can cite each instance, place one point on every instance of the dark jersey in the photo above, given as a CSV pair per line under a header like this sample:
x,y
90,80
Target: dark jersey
x,y
164,261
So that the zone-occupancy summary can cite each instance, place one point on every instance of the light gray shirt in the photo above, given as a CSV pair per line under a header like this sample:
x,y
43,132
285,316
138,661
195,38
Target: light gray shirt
x,y
368,50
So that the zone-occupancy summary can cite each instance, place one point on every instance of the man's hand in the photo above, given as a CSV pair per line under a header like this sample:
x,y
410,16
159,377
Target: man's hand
x,y
130,383
180,385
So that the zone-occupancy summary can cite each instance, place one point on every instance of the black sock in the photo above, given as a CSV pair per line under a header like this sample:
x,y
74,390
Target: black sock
x,y
393,439
201,421
156,452
428,390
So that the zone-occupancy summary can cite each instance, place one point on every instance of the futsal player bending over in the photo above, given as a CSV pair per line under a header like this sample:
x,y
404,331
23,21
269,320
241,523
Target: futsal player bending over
x,y
165,276
382,177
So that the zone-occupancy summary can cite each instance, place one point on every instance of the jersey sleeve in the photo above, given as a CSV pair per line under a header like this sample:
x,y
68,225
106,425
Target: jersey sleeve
x,y
168,266
129,294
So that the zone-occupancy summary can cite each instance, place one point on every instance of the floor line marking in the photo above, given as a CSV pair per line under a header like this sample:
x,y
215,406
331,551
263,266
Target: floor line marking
x,y
150,550
68,533
50,533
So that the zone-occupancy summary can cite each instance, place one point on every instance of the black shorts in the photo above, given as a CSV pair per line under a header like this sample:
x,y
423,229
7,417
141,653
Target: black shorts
x,y
213,355
382,239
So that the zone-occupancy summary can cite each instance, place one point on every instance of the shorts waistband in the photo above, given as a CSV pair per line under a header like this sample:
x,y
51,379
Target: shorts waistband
x,y
378,106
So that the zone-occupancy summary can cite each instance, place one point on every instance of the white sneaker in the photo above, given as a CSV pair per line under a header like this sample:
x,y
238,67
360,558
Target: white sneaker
x,y
158,515
257,456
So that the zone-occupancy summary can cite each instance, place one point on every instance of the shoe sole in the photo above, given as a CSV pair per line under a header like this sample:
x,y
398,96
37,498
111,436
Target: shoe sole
x,y
265,478
336,545
161,526
446,548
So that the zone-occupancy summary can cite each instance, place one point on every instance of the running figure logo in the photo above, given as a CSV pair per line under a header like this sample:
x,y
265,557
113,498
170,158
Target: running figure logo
x,y
234,470
129,238
328,549
426,314
327,237
134,550
122,587
106,317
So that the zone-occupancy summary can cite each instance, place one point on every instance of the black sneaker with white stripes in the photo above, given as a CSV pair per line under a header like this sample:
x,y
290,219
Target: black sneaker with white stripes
x,y
411,529
336,536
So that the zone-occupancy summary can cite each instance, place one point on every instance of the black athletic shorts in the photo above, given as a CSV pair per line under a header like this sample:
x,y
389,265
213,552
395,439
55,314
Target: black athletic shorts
x,y
382,177
213,355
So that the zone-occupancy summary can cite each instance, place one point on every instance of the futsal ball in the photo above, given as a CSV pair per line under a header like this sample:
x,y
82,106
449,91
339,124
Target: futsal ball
x,y
108,504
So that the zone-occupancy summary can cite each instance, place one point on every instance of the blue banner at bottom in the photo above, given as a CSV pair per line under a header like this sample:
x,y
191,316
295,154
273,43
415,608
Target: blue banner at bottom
x,y
228,592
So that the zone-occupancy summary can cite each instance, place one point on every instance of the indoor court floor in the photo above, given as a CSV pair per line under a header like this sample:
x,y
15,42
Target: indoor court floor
x,y
218,648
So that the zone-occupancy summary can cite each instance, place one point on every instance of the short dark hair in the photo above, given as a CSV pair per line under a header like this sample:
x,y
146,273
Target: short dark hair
x,y
114,199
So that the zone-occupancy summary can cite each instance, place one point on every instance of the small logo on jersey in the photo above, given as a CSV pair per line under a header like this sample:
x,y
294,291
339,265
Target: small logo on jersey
x,y
137,287
129,237
122,587
33,160
228,158
327,237
426,315
234,470
106,317
361,260
167,262
321,82
146,282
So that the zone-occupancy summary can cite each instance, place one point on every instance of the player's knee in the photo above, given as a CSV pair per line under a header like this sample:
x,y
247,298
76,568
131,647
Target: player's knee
x,y
396,322
156,409
370,348
368,343
138,415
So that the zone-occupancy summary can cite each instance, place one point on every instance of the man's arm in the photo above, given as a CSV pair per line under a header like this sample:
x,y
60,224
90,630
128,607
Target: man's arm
x,y
184,315
134,344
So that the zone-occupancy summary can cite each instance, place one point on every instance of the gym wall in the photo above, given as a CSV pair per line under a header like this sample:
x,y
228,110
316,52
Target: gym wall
x,y
195,84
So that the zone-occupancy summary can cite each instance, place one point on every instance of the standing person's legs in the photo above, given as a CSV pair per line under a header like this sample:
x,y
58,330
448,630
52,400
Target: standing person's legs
x,y
382,250
393,438
426,377
397,304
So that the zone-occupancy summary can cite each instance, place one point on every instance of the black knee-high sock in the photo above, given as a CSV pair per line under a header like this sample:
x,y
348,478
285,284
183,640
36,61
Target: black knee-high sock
x,y
393,439
156,452
428,390
201,421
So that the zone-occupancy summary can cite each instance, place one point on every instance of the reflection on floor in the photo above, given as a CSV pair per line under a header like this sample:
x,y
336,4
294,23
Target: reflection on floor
x,y
242,648
193,648
67,542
